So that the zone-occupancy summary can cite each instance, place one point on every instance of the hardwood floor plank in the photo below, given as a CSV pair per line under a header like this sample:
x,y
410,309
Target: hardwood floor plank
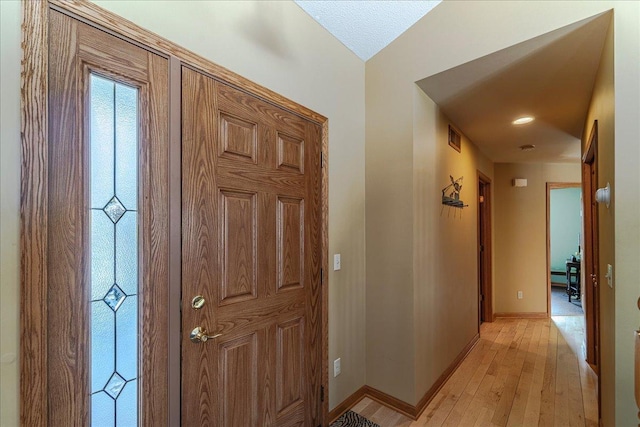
x,y
573,355
361,405
482,404
484,418
386,417
458,388
547,402
532,410
466,397
370,409
519,352
477,406
561,414
588,378
483,356
502,391
518,408
522,372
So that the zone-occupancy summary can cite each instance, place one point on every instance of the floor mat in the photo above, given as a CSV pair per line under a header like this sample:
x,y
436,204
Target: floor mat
x,y
351,419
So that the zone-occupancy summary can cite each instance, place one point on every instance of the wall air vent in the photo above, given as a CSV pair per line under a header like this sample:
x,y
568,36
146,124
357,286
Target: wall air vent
x,y
455,139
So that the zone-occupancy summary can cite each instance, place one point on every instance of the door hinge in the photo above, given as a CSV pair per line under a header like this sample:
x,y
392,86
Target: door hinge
x,y
481,248
321,276
321,393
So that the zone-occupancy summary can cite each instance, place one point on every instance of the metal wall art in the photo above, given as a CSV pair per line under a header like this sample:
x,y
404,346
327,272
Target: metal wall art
x,y
451,193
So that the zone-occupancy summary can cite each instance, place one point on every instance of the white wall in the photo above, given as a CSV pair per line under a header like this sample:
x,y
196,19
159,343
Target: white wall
x,y
627,203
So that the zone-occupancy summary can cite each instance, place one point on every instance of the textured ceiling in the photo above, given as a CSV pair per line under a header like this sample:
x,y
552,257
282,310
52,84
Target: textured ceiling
x,y
366,27
550,77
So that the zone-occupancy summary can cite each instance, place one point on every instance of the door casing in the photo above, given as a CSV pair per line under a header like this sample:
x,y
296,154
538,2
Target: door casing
x,y
591,258
485,298
34,183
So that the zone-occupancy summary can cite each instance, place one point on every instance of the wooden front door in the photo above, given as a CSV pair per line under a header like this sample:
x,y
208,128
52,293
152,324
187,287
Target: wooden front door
x,y
251,260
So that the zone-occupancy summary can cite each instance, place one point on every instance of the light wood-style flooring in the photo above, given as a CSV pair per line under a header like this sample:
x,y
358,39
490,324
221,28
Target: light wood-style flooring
x,y
522,372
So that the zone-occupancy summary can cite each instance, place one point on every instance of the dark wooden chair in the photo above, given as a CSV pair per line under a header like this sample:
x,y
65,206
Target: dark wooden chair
x,y
573,279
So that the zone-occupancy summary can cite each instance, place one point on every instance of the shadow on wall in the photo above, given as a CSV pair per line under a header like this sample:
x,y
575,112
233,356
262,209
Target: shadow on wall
x,y
266,28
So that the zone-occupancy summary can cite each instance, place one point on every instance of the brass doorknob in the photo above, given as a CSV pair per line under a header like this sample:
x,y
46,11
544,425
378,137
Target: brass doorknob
x,y
199,334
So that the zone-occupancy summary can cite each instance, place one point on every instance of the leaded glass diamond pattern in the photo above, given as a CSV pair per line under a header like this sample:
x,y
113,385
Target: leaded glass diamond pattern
x,y
115,385
114,209
114,297
114,122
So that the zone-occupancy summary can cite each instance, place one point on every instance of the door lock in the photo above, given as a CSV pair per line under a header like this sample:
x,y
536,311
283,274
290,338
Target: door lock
x,y
197,302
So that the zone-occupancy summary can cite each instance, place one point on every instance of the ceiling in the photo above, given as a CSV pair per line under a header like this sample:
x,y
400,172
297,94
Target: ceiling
x,y
550,77
365,26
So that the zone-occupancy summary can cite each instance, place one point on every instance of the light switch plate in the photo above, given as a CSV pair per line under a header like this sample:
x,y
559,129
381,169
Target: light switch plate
x,y
609,275
336,367
520,295
336,262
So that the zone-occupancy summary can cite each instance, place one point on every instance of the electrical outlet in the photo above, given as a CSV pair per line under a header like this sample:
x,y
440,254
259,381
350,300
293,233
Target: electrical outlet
x,y
336,262
520,295
336,367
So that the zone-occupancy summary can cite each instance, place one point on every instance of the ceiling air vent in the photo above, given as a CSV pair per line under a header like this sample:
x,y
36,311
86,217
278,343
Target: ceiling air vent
x,y
454,138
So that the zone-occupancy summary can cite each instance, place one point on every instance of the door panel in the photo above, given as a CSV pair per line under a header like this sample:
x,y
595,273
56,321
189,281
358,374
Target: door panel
x,y
83,214
238,138
290,153
289,364
239,381
238,221
290,232
251,248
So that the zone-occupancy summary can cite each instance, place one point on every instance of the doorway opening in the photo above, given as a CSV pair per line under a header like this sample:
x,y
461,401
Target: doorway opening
x,y
564,237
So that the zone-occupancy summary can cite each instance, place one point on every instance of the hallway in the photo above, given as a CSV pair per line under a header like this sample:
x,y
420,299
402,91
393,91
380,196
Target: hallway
x,y
522,372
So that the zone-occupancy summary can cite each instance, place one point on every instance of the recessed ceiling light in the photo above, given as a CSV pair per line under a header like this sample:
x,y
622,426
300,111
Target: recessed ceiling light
x,y
523,120
527,147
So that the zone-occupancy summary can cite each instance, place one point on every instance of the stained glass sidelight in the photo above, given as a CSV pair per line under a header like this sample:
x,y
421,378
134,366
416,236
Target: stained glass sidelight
x,y
113,111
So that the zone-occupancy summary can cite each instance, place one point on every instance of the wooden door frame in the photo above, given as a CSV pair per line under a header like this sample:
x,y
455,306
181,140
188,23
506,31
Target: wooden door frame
x,y
488,272
589,157
553,186
592,293
34,187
